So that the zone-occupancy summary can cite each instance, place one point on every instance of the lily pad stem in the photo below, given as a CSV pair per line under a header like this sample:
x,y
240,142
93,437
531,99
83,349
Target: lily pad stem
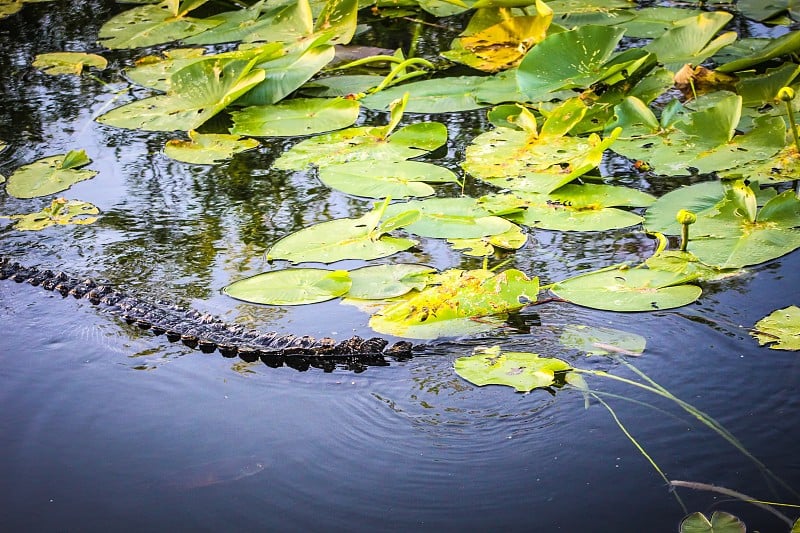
x,y
786,94
685,219
390,78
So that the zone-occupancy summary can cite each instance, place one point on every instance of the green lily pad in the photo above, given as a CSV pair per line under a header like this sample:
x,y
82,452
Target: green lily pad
x,y
602,341
341,86
526,160
512,239
780,329
152,24
59,212
628,289
587,207
382,179
294,286
441,95
784,45
298,116
347,238
207,148
49,175
690,41
567,60
761,10
523,371
652,22
454,306
68,62
198,92
451,218
687,264
721,522
387,281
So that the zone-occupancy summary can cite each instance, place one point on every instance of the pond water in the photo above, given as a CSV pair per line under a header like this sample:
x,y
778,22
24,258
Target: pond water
x,y
106,426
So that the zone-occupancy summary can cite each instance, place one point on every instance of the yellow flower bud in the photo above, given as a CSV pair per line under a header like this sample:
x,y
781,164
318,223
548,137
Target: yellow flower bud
x,y
685,217
786,94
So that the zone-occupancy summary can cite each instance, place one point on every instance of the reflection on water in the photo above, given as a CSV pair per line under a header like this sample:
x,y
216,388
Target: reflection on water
x,y
200,442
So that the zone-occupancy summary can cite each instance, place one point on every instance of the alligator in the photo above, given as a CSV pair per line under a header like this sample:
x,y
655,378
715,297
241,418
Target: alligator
x,y
207,332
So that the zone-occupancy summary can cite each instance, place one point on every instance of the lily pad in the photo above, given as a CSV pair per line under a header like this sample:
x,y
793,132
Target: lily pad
x,y
602,341
298,116
381,179
68,62
628,289
687,264
523,371
721,522
512,239
451,218
49,175
294,286
690,41
207,148
780,329
347,238
441,95
153,24
457,305
387,281
59,212
197,92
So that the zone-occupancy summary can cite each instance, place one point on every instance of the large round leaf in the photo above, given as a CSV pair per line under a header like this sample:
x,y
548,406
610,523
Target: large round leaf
x,y
627,289
295,286
60,212
721,522
298,116
381,179
49,175
387,281
441,95
207,148
522,370
451,218
149,25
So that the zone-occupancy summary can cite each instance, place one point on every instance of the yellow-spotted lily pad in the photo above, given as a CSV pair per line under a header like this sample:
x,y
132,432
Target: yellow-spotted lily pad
x,y
207,148
780,330
59,212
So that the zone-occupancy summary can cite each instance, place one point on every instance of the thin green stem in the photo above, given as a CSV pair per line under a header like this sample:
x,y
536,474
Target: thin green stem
x,y
792,125
684,236
640,448
368,60
400,68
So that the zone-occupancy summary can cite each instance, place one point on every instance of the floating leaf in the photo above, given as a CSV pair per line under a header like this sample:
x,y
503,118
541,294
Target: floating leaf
x,y
387,281
687,264
207,148
298,116
451,218
652,22
68,62
59,212
780,329
152,24
198,92
781,46
347,238
441,95
512,239
522,370
721,522
381,179
602,341
628,289
294,286
49,175
566,60
587,207
690,41
341,85
454,306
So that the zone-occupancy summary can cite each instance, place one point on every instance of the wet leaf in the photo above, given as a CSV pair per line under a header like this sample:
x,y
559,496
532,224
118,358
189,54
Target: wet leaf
x,y
602,341
197,92
49,175
294,286
59,212
443,95
780,329
387,281
151,24
721,522
451,218
346,238
381,179
207,148
457,305
690,41
298,116
523,371
688,264
652,22
512,239
628,289
68,62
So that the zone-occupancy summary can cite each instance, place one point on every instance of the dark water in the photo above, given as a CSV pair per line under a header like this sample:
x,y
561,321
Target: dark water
x,y
103,426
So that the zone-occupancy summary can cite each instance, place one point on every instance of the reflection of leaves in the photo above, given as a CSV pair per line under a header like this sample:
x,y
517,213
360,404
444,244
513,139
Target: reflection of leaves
x,y
49,175
59,212
780,329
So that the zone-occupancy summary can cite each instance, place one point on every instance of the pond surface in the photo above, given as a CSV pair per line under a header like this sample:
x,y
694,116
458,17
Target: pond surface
x,y
106,426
